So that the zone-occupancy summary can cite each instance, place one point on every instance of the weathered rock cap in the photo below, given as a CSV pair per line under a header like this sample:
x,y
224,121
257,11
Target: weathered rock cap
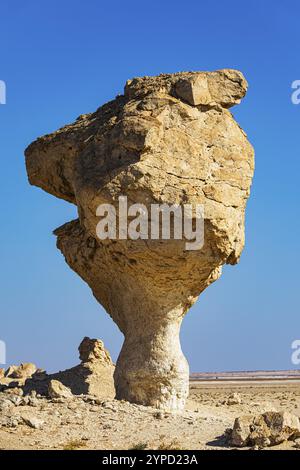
x,y
223,87
51,159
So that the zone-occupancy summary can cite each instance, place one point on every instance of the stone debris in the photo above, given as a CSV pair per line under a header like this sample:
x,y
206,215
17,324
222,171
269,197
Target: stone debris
x,y
16,376
268,429
7,421
33,422
234,399
168,140
5,404
115,424
22,371
57,390
93,376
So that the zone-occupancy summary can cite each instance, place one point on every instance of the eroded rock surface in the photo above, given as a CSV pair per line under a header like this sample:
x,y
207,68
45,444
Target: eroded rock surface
x,y
93,376
168,139
268,429
17,375
57,390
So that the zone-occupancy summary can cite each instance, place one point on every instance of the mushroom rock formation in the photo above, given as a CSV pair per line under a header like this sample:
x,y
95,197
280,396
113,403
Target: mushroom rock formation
x,y
168,139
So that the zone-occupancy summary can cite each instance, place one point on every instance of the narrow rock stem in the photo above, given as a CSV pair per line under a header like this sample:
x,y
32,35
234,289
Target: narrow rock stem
x,y
151,368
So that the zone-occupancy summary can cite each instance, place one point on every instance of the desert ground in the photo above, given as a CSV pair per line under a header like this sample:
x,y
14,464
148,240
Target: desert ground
x,y
83,422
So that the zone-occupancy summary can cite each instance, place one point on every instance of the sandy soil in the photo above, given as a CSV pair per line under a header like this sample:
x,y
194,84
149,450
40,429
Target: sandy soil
x,y
83,423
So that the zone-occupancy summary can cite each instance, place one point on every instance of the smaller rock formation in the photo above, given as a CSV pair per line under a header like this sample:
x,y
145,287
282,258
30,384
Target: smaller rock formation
x,y
16,376
93,376
98,367
23,371
269,429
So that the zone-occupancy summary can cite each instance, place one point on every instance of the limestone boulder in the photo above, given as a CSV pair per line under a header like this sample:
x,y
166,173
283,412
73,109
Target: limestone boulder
x,y
57,390
23,371
234,399
268,429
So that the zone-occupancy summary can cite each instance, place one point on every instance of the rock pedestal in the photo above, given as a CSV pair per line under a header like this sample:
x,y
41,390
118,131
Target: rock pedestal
x,y
167,140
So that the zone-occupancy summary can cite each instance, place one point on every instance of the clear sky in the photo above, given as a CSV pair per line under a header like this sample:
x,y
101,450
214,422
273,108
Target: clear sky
x,y
63,58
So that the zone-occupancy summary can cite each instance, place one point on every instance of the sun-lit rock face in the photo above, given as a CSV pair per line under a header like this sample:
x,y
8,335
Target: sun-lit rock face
x,y
169,139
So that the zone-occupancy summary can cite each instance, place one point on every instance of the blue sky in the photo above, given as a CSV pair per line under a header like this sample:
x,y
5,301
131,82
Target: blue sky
x,y
63,58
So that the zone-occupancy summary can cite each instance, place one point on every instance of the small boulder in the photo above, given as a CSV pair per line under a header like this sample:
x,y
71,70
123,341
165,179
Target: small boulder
x,y
268,429
234,399
283,426
16,399
22,371
5,404
33,422
241,430
10,421
57,390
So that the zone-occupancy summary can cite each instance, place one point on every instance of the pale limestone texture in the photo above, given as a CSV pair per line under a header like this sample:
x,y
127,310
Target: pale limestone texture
x,y
23,371
268,429
168,139
57,390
